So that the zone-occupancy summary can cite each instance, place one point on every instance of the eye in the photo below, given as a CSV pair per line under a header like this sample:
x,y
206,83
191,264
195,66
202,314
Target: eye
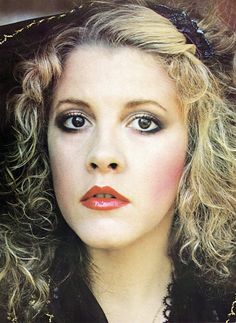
x,y
146,123
73,121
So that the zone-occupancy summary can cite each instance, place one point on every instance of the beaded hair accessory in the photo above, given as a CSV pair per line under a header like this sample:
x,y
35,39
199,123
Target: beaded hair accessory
x,y
187,26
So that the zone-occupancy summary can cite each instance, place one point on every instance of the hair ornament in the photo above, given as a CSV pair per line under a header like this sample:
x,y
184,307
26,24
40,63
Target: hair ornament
x,y
189,28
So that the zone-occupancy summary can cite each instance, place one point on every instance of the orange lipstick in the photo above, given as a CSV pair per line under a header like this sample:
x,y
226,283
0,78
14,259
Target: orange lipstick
x,y
103,199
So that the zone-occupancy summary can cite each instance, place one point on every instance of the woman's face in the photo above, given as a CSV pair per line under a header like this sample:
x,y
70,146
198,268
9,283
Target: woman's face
x,y
115,123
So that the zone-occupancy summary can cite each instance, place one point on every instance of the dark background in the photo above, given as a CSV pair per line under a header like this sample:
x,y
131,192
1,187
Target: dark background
x,y
13,10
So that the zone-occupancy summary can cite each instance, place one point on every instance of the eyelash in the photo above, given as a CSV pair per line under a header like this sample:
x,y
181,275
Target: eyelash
x,y
148,117
62,119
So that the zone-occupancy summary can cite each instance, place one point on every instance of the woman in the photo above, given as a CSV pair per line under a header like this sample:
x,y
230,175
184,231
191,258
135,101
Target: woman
x,y
118,176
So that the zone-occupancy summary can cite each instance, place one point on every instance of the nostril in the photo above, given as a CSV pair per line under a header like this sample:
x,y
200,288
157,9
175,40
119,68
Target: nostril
x,y
108,166
93,165
113,165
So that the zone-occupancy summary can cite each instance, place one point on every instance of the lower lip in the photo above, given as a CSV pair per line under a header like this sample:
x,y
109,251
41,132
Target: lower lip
x,y
103,204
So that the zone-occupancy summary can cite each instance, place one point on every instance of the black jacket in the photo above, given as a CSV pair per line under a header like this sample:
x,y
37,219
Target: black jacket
x,y
192,301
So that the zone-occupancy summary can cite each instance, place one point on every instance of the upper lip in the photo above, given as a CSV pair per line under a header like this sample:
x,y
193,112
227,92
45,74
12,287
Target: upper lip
x,y
103,190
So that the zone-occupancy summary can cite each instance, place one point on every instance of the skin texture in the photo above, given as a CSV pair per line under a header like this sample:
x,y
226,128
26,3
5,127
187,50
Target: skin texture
x,y
109,87
149,165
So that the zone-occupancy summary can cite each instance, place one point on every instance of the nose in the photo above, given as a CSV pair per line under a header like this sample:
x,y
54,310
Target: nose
x,y
105,155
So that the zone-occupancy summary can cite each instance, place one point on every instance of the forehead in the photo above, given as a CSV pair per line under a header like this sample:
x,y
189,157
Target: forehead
x,y
121,60
111,73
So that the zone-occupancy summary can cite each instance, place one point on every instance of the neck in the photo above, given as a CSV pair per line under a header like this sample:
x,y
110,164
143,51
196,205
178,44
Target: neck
x,y
132,276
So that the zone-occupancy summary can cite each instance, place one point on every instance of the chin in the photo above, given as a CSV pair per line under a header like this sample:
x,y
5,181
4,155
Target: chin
x,y
106,240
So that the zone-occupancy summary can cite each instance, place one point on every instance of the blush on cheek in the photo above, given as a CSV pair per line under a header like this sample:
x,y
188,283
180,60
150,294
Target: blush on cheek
x,y
166,178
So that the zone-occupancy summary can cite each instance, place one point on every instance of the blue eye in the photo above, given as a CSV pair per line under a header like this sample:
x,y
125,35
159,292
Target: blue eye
x,y
146,123
73,122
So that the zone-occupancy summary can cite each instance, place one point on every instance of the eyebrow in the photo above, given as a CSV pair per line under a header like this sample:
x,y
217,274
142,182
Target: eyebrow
x,y
129,105
72,101
136,103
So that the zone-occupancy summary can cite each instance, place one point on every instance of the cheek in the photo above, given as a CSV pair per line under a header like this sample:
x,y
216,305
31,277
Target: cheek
x,y
64,155
166,175
63,170
67,162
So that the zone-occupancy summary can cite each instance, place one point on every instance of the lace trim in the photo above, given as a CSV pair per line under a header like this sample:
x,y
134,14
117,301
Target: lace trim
x,y
167,301
232,314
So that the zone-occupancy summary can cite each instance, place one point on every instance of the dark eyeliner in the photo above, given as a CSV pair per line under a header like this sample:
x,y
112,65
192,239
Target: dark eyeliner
x,y
152,118
62,118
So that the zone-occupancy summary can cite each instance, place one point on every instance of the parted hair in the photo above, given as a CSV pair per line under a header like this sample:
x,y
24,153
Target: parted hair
x,y
204,229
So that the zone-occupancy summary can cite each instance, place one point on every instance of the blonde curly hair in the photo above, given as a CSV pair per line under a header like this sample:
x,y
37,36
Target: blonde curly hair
x,y
205,227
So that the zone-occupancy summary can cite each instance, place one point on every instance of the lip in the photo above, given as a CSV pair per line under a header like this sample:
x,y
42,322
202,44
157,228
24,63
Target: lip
x,y
103,204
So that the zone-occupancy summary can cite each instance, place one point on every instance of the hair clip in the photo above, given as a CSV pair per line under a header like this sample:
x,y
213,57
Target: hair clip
x,y
189,28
